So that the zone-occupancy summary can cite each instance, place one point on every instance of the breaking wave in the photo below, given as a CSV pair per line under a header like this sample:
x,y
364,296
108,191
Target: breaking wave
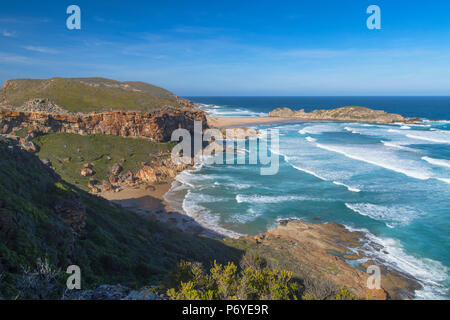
x,y
437,162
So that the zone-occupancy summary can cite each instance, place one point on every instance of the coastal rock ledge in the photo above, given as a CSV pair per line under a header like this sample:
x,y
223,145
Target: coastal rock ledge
x,y
353,114
330,251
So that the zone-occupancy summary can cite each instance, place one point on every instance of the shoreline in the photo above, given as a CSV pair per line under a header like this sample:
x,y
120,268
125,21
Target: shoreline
x,y
159,208
151,203
227,122
231,122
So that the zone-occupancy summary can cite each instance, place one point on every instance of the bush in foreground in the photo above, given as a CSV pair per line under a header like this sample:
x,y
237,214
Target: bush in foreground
x,y
226,283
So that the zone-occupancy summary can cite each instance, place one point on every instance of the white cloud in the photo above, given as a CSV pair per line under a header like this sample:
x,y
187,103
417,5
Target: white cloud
x,y
10,58
40,49
9,34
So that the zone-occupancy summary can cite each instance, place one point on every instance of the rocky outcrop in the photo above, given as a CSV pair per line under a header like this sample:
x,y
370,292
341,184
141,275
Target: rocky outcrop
x,y
160,172
23,143
331,251
239,133
41,105
157,125
353,114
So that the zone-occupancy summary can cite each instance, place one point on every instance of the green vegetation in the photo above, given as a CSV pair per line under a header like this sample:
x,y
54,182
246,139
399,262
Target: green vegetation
x,y
114,246
68,152
47,222
89,94
315,286
254,280
225,283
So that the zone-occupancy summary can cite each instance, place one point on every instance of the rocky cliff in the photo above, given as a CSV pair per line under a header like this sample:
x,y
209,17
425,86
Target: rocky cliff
x,y
156,125
354,114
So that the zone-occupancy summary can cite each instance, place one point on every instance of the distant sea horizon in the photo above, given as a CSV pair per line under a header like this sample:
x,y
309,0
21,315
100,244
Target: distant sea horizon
x,y
426,107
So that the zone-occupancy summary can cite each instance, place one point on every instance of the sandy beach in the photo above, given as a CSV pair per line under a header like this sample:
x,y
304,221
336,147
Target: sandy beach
x,y
149,202
227,122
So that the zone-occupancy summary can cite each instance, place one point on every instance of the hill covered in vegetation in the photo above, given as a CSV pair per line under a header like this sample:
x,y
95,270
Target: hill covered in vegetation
x,y
44,218
85,95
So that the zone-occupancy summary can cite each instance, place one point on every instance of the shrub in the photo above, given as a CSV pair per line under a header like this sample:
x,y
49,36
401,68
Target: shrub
x,y
41,283
344,294
226,283
319,288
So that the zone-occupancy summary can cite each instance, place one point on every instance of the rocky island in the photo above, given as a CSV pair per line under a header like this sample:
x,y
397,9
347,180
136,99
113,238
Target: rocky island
x,y
350,114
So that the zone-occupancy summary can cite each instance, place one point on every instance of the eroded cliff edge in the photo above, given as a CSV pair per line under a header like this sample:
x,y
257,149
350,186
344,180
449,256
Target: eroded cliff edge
x,y
157,125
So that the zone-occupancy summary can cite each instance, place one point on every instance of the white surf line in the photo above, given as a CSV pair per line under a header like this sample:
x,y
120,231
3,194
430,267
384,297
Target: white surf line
x,y
437,162
428,272
308,172
427,139
385,166
446,180
347,186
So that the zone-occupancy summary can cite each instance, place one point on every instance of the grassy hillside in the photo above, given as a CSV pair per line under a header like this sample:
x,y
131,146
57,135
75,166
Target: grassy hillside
x,y
95,149
88,94
115,245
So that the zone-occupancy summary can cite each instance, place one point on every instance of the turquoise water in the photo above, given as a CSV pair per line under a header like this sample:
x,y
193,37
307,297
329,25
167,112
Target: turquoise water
x,y
392,181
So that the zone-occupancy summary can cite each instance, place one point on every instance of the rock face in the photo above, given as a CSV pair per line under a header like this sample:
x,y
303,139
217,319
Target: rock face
x,y
354,114
239,133
41,105
328,250
160,172
157,125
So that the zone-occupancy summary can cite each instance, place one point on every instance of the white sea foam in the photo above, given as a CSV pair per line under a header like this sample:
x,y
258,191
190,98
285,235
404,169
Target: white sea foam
x,y
428,138
308,172
387,161
352,130
225,112
437,162
247,216
393,145
204,217
446,180
348,187
288,160
394,215
239,186
319,129
240,198
309,139
405,127
428,272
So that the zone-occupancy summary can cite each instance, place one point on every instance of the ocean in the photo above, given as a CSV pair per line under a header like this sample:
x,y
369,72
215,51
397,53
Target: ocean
x,y
390,181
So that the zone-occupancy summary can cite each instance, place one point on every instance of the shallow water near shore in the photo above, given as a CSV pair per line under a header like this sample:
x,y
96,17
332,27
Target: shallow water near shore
x,y
391,181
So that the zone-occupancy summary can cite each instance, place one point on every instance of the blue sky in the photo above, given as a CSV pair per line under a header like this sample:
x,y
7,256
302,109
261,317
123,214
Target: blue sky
x,y
264,47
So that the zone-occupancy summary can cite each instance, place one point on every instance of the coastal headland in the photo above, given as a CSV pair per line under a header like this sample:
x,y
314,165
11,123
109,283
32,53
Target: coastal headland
x,y
122,154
